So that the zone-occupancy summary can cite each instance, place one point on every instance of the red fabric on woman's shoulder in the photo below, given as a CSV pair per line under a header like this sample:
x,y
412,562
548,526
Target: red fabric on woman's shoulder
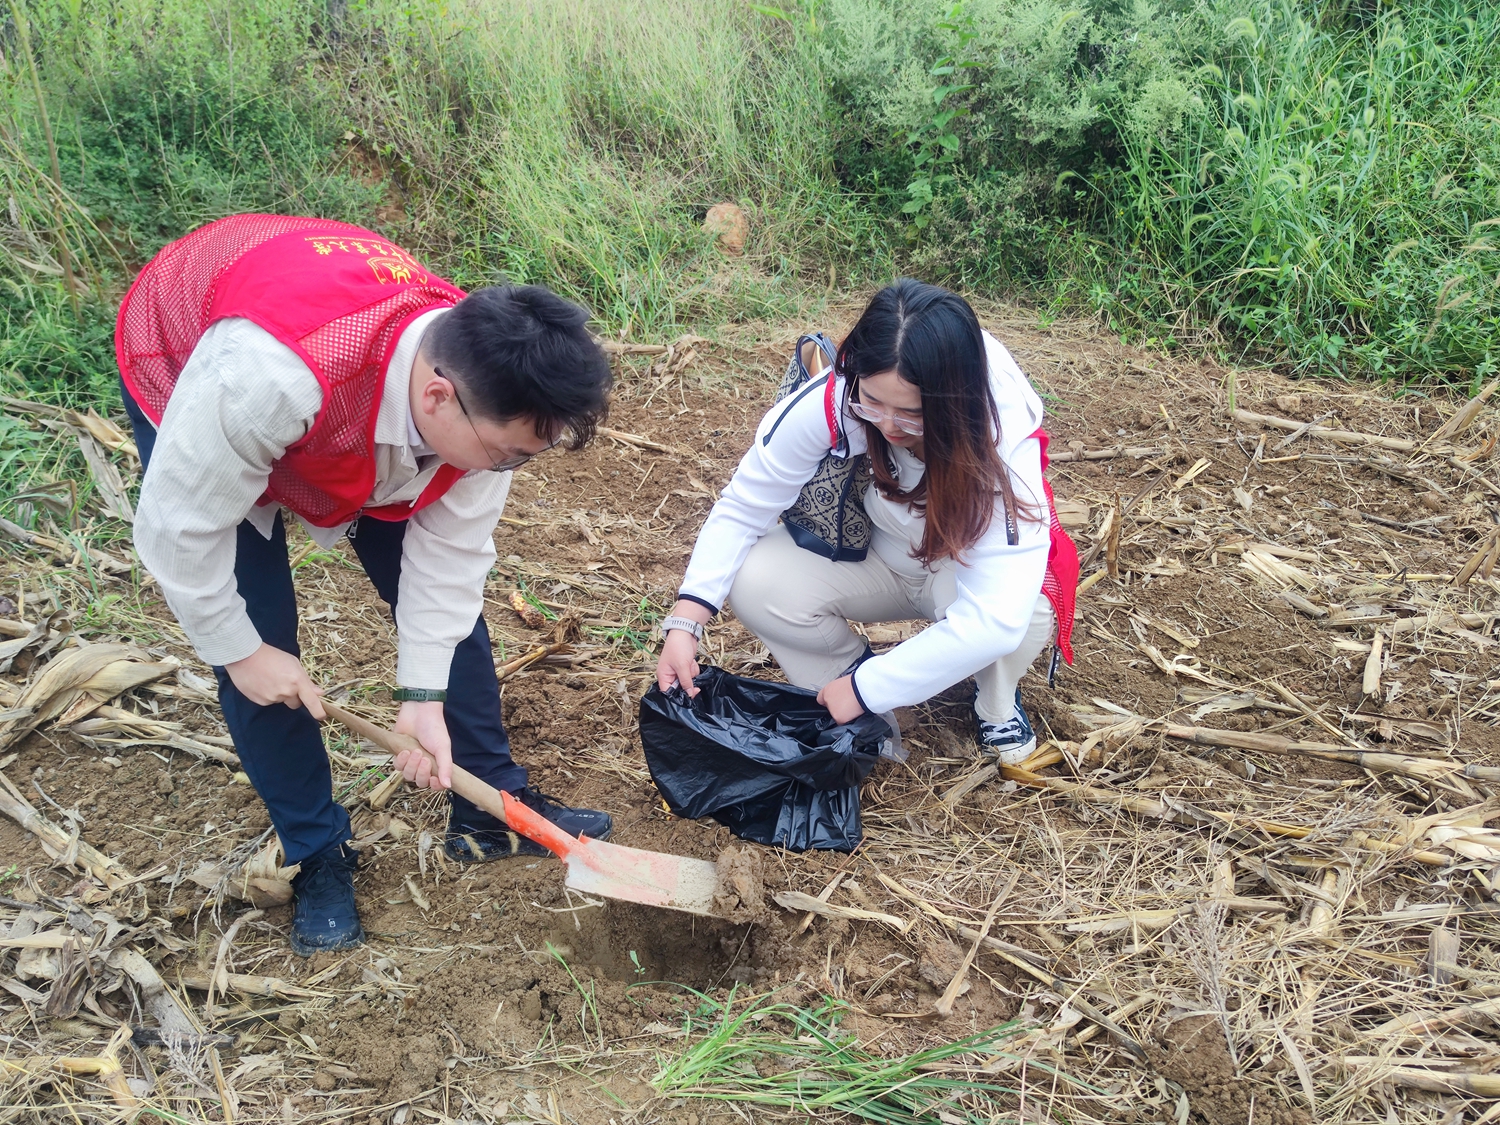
x,y
1061,581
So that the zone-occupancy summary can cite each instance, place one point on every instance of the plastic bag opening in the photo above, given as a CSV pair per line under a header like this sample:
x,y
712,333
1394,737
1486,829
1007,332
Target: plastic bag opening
x,y
766,760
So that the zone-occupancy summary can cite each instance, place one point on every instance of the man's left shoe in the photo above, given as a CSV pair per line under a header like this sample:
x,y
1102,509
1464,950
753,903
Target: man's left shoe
x,y
1011,742
489,839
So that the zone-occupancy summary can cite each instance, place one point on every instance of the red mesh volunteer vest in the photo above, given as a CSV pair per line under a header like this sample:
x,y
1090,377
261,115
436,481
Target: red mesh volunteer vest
x,y
335,294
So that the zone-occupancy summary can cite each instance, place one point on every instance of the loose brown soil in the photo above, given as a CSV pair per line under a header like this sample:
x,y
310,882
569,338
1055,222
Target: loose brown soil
x,y
495,994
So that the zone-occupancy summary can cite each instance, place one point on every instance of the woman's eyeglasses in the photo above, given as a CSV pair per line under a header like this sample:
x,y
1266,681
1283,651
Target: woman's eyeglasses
x,y
502,465
910,426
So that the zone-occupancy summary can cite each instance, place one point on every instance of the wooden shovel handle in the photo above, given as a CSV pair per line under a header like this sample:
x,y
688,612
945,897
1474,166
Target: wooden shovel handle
x,y
465,784
498,804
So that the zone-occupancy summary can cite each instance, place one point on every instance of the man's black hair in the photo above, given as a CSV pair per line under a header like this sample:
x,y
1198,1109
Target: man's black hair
x,y
521,351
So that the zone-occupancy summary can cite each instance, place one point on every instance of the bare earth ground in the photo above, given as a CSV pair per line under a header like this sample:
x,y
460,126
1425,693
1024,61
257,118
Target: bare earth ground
x,y
1255,926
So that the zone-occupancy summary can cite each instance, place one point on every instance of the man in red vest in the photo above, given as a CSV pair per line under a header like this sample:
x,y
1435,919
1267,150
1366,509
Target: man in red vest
x,y
275,363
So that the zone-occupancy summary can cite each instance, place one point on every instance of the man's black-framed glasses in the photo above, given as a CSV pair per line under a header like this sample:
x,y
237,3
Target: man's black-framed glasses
x,y
502,465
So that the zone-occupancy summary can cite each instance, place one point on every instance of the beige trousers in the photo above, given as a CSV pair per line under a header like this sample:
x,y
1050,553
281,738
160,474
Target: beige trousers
x,y
800,604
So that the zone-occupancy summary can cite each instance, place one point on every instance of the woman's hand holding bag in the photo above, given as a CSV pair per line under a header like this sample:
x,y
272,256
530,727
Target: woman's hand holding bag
x,y
841,701
678,663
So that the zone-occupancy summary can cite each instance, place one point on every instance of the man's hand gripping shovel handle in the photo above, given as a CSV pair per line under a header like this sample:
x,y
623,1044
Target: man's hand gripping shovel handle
x,y
493,801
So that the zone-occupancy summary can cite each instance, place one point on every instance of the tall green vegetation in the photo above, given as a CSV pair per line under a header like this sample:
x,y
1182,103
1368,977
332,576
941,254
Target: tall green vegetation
x,y
164,116
1312,181
572,142
1337,196
580,143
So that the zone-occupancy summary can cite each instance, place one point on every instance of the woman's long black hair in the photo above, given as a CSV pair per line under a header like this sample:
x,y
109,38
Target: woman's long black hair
x,y
931,338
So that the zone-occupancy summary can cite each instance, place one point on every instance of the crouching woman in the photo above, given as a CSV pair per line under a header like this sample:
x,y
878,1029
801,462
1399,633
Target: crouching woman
x,y
905,480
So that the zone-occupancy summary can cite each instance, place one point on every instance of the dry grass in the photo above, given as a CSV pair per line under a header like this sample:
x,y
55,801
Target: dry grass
x,y
1187,931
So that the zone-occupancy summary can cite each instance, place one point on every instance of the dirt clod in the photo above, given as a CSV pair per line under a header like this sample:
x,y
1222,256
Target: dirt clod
x,y
1193,1053
740,895
1289,404
531,1005
940,960
728,222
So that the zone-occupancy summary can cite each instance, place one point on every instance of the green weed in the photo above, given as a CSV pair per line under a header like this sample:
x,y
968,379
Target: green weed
x,y
777,1054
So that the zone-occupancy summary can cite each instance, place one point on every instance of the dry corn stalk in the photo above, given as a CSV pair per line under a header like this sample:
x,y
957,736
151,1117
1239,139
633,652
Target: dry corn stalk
x,y
1420,1024
1464,416
1370,681
107,479
1281,574
135,729
262,881
105,1067
1478,1085
1482,561
1182,813
102,430
156,997
249,985
1344,437
1424,769
796,900
67,552
100,671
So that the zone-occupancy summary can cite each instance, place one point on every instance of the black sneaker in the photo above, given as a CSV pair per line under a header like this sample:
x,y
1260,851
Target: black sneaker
x,y
480,837
324,917
1010,742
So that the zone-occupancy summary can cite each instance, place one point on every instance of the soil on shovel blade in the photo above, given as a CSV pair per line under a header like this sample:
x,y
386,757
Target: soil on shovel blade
x,y
1248,567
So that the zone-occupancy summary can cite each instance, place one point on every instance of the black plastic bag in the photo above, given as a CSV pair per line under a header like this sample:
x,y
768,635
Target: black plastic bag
x,y
766,760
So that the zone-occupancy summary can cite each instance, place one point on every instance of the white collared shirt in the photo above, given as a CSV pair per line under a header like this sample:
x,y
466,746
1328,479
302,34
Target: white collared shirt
x,y
241,400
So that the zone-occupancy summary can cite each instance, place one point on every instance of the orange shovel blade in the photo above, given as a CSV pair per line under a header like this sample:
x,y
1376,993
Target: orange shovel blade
x,y
627,874
635,875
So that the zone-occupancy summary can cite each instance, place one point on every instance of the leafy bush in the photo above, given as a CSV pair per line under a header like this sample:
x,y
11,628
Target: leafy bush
x,y
1315,182
1029,94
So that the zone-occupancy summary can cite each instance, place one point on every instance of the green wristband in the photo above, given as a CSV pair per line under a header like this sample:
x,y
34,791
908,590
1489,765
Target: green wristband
x,y
419,695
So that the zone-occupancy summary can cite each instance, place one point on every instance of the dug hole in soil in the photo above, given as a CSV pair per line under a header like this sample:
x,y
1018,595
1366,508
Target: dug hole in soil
x,y
483,991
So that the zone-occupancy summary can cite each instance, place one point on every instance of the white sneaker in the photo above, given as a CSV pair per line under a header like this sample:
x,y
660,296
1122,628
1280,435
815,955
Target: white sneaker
x,y
1011,742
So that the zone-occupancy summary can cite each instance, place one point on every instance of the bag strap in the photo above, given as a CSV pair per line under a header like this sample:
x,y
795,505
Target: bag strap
x,y
836,439
825,345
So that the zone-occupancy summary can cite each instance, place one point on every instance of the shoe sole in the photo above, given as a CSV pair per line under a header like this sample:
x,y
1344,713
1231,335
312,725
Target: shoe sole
x,y
1011,756
302,949
477,854
473,852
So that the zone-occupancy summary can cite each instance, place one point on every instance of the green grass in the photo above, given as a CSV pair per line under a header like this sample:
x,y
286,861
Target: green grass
x,y
1313,182
779,1055
1335,200
580,143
